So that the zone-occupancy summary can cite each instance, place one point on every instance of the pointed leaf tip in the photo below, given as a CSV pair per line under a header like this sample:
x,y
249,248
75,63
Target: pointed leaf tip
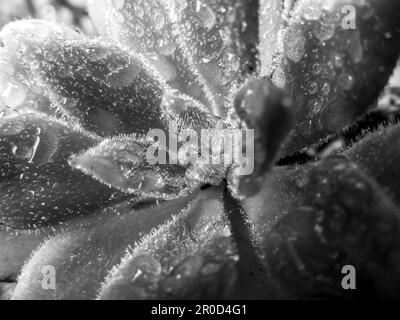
x,y
126,162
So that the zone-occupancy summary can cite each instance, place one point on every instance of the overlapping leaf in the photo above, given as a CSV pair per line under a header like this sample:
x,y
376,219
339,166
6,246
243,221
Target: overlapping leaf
x,y
311,221
378,153
83,254
307,221
191,257
336,58
125,162
203,48
16,248
38,187
91,82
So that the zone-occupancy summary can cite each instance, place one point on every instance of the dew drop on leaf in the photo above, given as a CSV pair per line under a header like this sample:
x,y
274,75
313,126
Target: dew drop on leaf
x,y
125,163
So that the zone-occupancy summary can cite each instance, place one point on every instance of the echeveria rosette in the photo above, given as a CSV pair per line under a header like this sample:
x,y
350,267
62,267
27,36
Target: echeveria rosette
x,y
77,193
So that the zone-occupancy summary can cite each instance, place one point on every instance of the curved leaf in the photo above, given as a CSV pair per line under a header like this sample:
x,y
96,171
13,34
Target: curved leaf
x,y
84,253
190,257
37,187
335,72
17,91
203,48
322,217
379,154
125,162
91,82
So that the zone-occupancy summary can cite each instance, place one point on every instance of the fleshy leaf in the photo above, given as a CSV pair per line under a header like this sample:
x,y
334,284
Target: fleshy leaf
x,y
336,67
186,112
91,82
6,290
84,253
203,48
16,247
190,257
15,92
265,109
38,187
379,154
322,217
128,163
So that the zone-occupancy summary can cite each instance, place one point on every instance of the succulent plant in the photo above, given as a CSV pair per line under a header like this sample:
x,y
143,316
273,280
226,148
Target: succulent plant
x,y
78,193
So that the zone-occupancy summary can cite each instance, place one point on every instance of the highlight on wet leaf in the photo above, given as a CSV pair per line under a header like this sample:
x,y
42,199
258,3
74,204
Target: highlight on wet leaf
x,y
201,149
125,162
91,82
261,106
88,248
38,188
203,48
180,260
333,70
378,153
341,218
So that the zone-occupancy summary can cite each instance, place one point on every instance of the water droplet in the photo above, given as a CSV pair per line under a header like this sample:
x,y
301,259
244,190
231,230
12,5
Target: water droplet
x,y
126,163
139,31
388,35
305,128
324,30
279,77
166,47
294,43
314,106
340,167
302,179
337,60
13,94
158,20
164,66
226,35
148,266
205,14
346,81
316,68
311,10
326,89
312,87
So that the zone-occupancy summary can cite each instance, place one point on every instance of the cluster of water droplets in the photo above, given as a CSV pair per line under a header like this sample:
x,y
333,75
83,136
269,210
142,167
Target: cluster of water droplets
x,y
39,186
195,45
317,59
163,263
96,85
18,89
125,162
